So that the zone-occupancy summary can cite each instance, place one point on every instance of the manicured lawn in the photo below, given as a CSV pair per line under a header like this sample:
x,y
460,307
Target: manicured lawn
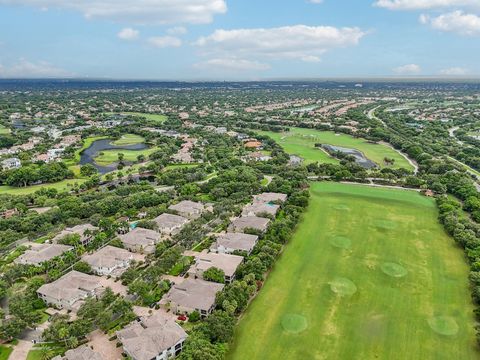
x,y
4,130
5,352
369,274
302,142
108,157
60,186
129,139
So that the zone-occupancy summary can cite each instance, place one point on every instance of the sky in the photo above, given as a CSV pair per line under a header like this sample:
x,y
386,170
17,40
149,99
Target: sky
x,y
239,39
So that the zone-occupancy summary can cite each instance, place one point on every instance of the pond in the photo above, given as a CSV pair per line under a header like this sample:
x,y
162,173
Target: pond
x,y
88,155
360,158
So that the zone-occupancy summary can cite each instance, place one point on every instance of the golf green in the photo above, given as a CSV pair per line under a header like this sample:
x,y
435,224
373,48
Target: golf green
x,y
379,281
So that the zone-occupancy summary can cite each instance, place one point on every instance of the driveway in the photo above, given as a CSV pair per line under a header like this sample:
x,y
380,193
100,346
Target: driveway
x,y
108,349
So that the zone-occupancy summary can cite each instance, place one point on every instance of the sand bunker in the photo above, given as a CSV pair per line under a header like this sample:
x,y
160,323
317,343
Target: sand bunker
x,y
340,242
294,323
444,325
394,270
343,287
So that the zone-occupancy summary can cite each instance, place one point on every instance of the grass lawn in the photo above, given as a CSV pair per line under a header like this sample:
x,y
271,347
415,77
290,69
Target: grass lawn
x,y
301,142
129,139
5,352
369,274
36,352
107,157
4,130
60,186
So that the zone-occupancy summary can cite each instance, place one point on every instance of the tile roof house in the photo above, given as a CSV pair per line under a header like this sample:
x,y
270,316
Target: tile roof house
x,y
83,230
230,242
69,291
188,209
192,295
249,222
259,208
141,240
83,352
270,197
170,224
110,260
156,337
39,253
225,262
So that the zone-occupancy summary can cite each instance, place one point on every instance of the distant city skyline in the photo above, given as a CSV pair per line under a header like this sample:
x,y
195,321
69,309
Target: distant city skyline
x,y
239,40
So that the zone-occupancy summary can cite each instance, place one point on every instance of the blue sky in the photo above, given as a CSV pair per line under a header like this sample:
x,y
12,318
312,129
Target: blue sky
x,y
239,39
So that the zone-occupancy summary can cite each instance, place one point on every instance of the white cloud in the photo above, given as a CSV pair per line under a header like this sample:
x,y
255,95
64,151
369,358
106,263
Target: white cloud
x,y
454,71
456,21
232,64
26,69
423,4
177,30
300,42
409,69
128,34
165,41
138,11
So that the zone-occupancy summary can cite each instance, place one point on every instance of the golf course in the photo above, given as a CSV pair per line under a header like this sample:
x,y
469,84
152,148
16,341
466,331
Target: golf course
x,y
369,274
301,142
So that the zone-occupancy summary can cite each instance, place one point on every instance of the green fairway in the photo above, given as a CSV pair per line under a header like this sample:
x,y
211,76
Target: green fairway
x,y
369,274
60,186
107,157
301,142
129,139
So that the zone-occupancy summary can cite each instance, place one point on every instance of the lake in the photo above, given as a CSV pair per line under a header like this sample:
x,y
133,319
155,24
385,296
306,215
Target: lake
x,y
88,155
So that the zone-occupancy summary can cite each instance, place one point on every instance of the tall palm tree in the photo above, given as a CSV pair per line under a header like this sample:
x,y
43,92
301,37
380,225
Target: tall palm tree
x,y
46,353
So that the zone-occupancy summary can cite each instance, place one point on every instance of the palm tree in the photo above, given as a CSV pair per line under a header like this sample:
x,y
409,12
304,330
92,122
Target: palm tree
x,y
46,353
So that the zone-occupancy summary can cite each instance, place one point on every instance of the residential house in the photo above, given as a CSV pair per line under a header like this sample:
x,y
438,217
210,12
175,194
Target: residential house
x,y
85,231
54,154
260,208
249,222
110,260
11,163
188,209
156,337
83,352
270,197
192,295
40,253
257,156
253,144
170,224
69,291
230,242
225,262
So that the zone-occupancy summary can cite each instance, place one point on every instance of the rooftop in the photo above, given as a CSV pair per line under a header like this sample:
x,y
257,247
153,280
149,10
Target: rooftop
x,y
39,253
194,294
148,338
225,262
236,241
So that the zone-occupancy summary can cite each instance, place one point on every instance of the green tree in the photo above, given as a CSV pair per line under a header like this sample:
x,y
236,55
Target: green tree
x,y
214,274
